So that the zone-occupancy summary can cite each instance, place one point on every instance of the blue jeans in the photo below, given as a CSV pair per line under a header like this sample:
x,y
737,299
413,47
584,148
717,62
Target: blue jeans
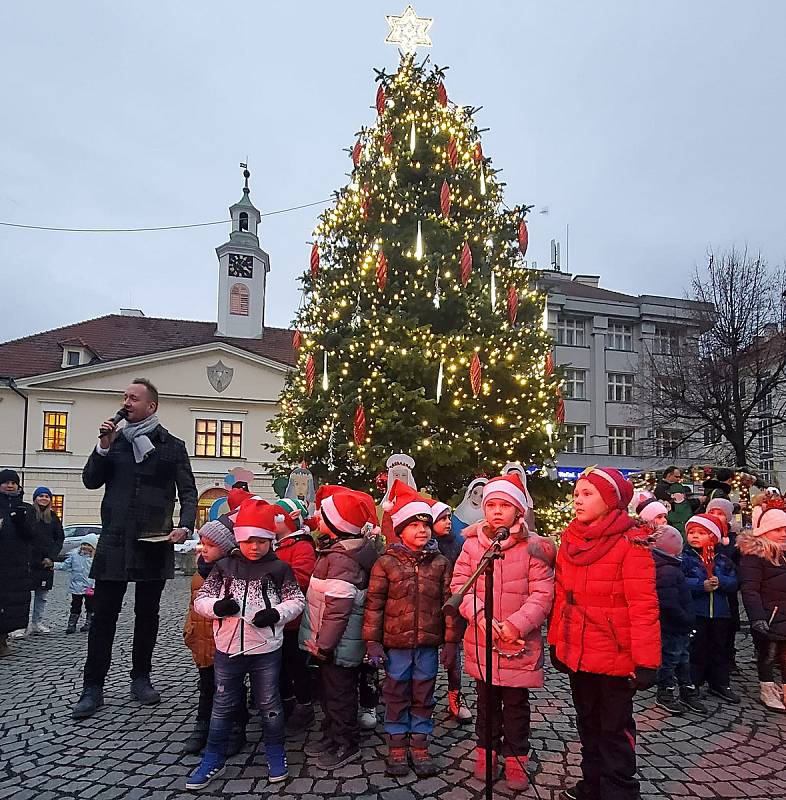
x,y
263,672
39,604
408,691
675,660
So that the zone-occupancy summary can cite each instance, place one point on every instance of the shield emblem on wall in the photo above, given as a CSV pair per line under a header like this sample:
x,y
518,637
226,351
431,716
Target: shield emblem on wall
x,y
220,376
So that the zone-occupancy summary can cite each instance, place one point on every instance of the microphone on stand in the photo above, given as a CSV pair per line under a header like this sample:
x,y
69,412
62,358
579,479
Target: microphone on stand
x,y
502,534
121,414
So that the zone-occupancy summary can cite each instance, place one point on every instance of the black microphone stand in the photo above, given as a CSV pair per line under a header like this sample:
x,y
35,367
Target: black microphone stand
x,y
486,568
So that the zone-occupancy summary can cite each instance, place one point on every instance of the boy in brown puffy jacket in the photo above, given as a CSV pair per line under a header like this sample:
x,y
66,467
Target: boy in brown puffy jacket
x,y
216,542
404,628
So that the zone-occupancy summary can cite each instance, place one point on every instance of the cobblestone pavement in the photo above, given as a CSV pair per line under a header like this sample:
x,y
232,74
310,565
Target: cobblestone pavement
x,y
129,751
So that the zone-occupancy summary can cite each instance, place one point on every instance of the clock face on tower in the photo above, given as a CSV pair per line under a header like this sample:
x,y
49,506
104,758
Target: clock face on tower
x,y
241,266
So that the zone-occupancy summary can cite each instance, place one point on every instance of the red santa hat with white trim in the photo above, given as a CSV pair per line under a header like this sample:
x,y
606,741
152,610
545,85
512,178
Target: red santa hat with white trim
x,y
257,519
508,488
405,505
346,511
711,525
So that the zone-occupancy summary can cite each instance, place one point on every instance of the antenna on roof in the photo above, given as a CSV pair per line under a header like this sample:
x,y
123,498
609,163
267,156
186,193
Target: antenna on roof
x,y
555,259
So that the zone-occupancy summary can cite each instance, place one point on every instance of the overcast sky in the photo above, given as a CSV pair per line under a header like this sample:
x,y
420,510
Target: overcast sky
x,y
654,129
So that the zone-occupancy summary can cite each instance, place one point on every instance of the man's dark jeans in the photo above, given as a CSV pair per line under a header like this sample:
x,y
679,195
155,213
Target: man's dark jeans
x,y
107,602
263,671
675,660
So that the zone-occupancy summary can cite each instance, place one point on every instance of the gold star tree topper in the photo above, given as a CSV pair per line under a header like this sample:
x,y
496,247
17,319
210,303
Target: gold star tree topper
x,y
409,31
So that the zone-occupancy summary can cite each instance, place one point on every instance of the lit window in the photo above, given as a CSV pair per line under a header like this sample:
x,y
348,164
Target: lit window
x,y
575,384
619,336
206,438
570,332
621,441
238,300
57,504
231,437
620,388
55,430
575,438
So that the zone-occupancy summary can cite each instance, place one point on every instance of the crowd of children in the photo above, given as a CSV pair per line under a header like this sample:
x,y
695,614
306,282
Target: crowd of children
x,y
630,602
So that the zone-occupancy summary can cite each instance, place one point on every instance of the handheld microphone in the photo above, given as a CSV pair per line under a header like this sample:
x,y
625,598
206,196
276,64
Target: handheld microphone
x,y
121,414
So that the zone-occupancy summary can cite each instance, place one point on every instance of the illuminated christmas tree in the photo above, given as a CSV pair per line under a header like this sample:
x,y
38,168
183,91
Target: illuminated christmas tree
x,y
421,330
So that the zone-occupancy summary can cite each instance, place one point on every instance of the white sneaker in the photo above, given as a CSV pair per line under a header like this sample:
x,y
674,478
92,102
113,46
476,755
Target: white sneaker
x,y
18,634
367,719
39,627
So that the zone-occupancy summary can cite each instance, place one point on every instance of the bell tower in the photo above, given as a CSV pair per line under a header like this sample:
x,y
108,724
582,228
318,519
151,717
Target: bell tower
x,y
242,272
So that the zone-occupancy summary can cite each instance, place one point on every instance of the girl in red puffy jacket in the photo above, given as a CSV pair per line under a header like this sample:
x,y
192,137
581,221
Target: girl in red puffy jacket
x,y
605,630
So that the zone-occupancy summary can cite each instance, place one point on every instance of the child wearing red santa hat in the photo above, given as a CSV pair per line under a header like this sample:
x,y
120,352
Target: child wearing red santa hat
x,y
333,618
523,594
712,578
605,630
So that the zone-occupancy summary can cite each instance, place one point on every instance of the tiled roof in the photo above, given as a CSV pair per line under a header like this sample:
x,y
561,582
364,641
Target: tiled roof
x,y
116,336
575,289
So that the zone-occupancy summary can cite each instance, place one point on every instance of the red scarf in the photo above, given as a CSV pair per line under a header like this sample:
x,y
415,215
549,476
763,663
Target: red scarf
x,y
584,543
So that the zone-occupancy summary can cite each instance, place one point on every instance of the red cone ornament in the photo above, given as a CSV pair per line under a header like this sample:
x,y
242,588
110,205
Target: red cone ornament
x,y
475,375
452,152
523,237
365,207
549,363
442,94
466,264
356,152
561,410
297,340
315,260
380,100
387,144
359,428
444,199
477,154
382,271
513,304
310,374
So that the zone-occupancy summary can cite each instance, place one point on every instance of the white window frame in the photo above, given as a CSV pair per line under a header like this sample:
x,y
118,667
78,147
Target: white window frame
x,y
622,440
575,379
666,342
668,443
619,387
575,433
618,335
571,331
56,407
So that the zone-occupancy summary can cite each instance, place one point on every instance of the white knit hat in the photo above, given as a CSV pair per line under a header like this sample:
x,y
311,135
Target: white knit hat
x,y
650,509
768,520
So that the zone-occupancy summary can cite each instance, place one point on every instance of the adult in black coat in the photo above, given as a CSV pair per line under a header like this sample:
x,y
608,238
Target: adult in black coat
x,y
142,467
14,558
45,545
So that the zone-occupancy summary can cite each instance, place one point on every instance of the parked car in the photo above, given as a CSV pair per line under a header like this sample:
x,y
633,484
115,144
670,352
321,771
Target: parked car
x,y
74,535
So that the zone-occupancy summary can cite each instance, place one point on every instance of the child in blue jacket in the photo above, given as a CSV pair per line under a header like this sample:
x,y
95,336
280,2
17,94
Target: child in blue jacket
x,y
80,585
711,589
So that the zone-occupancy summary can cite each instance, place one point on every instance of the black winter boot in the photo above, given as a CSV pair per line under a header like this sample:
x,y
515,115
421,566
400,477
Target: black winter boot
x,y
91,700
197,739
142,690
88,620
72,620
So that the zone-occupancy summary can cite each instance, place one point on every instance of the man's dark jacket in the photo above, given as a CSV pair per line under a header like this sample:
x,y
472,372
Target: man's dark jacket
x,y
140,499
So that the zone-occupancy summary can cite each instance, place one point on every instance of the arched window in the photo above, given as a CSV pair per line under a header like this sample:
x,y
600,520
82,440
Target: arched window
x,y
243,221
238,300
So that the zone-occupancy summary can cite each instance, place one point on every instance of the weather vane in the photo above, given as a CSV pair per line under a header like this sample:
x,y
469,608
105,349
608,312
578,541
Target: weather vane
x,y
409,31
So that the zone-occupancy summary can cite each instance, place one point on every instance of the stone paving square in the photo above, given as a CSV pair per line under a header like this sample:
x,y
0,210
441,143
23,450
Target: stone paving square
x,y
130,752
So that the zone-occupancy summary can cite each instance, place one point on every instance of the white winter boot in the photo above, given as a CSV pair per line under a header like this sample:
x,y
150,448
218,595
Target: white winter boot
x,y
771,697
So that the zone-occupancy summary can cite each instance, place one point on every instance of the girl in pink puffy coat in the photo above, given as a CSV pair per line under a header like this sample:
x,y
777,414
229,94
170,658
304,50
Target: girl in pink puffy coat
x,y
523,594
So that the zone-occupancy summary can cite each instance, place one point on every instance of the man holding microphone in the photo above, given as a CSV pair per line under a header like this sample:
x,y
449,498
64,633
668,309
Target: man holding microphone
x,y
141,467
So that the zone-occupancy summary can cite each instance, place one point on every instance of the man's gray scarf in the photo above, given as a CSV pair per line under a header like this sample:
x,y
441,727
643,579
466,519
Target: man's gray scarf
x,y
137,433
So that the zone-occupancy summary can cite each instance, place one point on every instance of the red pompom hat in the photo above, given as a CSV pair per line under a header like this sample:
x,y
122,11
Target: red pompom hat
x,y
614,488
346,511
257,519
406,505
712,525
